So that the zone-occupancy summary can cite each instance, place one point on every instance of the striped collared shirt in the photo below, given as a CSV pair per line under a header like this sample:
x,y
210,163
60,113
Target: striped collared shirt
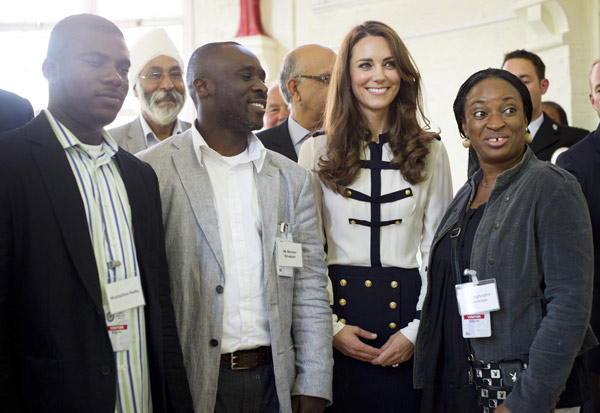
x,y
109,220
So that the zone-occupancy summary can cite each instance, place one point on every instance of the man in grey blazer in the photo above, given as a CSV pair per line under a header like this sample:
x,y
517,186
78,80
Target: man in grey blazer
x,y
156,74
247,264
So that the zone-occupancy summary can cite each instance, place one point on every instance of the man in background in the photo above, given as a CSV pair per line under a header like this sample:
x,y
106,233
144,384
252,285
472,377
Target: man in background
x,y
157,77
304,79
583,161
276,110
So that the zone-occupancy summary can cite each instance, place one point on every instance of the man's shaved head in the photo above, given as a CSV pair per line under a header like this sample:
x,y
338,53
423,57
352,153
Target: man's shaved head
x,y
70,27
202,64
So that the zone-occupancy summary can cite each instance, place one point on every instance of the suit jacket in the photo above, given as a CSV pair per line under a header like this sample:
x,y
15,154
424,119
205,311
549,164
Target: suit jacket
x,y
131,135
550,137
583,161
278,139
298,307
55,353
14,111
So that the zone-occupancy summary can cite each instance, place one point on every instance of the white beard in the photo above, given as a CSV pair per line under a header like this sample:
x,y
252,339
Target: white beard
x,y
163,113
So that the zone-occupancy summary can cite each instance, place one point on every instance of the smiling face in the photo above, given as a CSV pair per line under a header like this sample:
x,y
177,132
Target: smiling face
x,y
276,110
374,74
161,100
495,123
88,81
240,93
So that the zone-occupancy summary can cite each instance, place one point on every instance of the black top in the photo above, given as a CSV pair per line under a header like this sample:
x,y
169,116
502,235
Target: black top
x,y
448,350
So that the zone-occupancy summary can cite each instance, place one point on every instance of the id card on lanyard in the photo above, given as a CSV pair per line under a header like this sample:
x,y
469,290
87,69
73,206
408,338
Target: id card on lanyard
x,y
289,253
476,300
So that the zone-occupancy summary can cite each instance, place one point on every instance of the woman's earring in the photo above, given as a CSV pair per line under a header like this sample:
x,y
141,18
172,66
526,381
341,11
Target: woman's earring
x,y
528,137
466,142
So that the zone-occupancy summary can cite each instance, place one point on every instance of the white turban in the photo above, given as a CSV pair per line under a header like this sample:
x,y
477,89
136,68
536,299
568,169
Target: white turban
x,y
151,45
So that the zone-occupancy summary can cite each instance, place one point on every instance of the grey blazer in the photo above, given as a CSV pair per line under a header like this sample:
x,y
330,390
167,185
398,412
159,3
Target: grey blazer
x,y
298,307
131,135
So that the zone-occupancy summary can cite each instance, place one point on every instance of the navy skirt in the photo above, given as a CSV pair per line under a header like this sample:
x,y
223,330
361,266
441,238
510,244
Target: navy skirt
x,y
381,300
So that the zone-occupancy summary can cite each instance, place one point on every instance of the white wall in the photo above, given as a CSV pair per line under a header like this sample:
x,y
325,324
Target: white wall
x,y
449,40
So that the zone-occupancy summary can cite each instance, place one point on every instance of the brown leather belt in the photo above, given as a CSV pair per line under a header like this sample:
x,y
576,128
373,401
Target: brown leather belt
x,y
247,359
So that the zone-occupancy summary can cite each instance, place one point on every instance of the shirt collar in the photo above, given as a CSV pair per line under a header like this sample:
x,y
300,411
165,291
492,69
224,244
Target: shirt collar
x,y
297,131
149,135
256,150
534,126
67,139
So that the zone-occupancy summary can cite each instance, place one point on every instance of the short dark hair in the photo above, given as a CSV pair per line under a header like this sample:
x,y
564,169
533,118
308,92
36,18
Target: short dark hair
x,y
538,64
465,88
561,112
68,28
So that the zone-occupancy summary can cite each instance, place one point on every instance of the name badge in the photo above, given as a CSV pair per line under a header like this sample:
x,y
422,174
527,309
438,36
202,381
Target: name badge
x,y
125,294
477,297
119,329
476,325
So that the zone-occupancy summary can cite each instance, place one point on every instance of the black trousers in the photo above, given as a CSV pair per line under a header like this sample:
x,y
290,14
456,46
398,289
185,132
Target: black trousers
x,y
247,391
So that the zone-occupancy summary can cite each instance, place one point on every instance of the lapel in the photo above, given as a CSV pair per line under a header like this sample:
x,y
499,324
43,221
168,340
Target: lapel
x,y
139,203
66,199
268,193
284,141
196,185
546,136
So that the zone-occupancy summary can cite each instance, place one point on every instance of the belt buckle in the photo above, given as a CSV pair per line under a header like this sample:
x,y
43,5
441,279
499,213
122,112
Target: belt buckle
x,y
232,363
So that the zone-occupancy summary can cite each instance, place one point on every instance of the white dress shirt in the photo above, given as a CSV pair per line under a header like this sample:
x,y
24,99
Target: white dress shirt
x,y
149,135
534,126
298,133
245,320
400,244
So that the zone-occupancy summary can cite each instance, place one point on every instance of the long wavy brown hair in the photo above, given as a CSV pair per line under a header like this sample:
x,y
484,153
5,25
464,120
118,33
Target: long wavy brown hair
x,y
346,127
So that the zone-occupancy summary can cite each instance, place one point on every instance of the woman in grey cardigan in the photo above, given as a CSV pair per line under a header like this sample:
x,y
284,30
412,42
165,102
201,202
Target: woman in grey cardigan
x,y
523,223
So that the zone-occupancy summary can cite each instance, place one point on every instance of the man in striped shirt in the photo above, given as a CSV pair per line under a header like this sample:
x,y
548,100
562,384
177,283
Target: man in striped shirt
x,y
86,321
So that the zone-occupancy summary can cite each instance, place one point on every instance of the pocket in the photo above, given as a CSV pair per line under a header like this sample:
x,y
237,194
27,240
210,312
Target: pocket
x,y
42,383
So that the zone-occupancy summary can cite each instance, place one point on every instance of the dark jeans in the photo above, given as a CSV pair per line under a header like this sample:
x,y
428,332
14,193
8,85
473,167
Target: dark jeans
x,y
247,391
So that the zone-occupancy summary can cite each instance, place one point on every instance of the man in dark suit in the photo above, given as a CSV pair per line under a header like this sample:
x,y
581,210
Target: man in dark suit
x,y
583,161
549,138
86,321
14,111
304,79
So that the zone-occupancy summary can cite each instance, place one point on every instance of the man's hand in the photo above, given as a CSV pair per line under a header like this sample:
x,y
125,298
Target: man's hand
x,y
347,342
397,349
308,404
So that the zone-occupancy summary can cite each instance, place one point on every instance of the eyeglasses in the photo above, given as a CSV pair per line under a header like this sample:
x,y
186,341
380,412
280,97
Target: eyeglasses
x,y
323,78
175,76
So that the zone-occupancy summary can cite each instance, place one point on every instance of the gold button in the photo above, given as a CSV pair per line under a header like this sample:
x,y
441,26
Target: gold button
x,y
342,302
491,261
343,282
368,283
342,320
394,284
348,192
393,305
392,325
407,192
397,222
496,225
353,222
454,209
506,198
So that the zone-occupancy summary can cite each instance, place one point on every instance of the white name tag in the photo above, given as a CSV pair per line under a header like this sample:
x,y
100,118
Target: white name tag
x,y
119,329
125,294
289,256
476,325
477,298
